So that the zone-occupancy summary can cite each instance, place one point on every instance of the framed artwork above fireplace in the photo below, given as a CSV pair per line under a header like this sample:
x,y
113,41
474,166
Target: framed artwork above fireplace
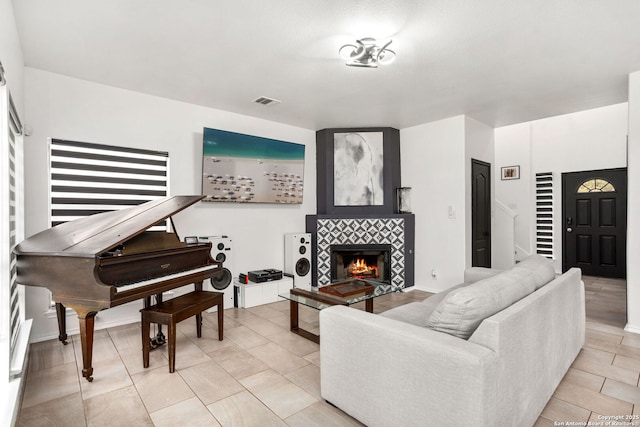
x,y
358,170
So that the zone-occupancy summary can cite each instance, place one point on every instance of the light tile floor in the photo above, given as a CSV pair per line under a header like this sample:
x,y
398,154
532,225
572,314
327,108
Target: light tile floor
x,y
262,375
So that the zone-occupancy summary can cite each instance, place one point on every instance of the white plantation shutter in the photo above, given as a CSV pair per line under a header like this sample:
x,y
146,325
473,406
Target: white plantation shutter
x,y
544,214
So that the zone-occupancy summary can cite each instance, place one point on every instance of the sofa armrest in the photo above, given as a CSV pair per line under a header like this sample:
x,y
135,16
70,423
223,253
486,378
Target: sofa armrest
x,y
537,339
475,274
386,372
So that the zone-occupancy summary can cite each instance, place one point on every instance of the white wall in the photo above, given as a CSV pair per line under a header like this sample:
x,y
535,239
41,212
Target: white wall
x,y
587,140
513,148
11,54
68,108
633,207
433,165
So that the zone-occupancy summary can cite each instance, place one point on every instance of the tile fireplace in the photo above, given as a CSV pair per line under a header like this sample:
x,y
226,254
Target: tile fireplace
x,y
393,235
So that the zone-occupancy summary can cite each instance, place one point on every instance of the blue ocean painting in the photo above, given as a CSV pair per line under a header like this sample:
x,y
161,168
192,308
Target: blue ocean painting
x,y
250,169
221,143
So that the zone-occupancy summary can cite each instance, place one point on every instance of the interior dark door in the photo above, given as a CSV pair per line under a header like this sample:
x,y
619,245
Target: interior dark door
x,y
594,209
480,214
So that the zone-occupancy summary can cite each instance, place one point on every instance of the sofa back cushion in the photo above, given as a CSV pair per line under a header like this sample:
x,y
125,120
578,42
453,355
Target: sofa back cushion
x,y
540,268
462,311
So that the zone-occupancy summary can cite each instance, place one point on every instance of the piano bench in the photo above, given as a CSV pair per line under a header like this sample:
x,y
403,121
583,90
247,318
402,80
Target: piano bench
x,y
176,310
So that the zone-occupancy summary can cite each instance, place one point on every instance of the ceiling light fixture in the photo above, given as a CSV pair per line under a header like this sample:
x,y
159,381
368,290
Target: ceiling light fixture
x,y
366,53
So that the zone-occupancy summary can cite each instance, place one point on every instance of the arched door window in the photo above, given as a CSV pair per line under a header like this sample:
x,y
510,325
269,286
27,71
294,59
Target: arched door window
x,y
596,185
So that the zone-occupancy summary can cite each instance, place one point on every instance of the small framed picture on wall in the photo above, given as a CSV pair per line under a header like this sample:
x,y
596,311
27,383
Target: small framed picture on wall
x,y
510,172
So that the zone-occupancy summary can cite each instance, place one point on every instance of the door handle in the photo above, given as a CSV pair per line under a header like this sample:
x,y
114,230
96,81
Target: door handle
x,y
569,229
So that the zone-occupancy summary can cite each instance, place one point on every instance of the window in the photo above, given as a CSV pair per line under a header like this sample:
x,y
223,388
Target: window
x,y
91,178
596,185
13,340
544,214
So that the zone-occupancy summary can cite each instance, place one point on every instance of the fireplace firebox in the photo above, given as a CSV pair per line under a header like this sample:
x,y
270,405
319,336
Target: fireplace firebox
x,y
361,262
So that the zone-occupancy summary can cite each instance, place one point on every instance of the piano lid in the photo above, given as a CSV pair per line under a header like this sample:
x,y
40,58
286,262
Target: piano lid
x,y
96,234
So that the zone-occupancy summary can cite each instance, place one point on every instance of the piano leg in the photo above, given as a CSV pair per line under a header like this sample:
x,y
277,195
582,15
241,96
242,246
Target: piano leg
x,y
61,312
86,319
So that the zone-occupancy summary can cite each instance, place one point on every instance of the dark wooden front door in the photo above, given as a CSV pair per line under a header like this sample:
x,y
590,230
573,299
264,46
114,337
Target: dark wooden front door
x,y
480,214
594,209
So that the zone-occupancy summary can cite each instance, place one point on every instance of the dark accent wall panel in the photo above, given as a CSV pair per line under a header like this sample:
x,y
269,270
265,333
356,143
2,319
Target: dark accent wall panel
x,y
325,172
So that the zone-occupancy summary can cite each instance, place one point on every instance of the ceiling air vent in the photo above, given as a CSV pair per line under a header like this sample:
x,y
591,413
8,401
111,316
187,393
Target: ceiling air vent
x,y
263,100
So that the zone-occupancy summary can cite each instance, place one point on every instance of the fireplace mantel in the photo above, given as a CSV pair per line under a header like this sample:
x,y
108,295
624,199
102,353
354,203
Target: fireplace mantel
x,y
397,230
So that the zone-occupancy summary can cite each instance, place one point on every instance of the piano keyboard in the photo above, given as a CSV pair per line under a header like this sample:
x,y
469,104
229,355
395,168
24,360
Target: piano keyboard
x,y
161,279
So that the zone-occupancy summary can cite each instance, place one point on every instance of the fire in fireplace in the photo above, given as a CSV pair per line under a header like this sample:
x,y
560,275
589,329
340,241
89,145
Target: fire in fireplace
x,y
359,269
361,262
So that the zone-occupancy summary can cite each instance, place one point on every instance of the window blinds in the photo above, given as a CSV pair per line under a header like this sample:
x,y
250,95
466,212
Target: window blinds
x,y
89,178
544,214
15,129
10,189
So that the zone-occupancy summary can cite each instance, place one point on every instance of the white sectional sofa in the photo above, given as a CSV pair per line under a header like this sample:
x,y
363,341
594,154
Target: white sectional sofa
x,y
489,352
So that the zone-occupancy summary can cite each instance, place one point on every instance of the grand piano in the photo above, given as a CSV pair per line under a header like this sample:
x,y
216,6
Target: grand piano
x,y
111,258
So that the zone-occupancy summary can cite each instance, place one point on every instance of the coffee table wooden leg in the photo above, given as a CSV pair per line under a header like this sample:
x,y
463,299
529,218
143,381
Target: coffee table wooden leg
x,y
293,310
368,305
296,329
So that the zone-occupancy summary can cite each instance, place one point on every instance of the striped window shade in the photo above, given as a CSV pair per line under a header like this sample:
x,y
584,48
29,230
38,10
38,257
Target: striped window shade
x,y
14,181
12,339
91,178
544,214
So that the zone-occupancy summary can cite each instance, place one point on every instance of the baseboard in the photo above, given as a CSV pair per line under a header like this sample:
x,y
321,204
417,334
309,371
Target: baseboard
x,y
73,327
426,289
632,328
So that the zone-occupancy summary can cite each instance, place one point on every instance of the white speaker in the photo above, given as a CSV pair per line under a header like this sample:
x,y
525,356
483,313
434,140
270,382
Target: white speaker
x,y
297,258
221,250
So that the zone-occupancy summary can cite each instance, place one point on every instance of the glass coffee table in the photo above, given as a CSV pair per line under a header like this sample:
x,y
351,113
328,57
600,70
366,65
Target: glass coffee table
x,y
346,292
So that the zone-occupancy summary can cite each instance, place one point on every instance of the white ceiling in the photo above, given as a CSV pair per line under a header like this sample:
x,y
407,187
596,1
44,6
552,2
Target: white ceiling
x,y
498,61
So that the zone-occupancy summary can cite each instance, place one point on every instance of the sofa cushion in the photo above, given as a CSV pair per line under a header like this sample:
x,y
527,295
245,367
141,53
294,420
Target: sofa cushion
x,y
413,313
463,309
540,268
417,313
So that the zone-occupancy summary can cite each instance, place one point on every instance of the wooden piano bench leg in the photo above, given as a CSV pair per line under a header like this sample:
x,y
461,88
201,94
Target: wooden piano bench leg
x,y
176,310
199,325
